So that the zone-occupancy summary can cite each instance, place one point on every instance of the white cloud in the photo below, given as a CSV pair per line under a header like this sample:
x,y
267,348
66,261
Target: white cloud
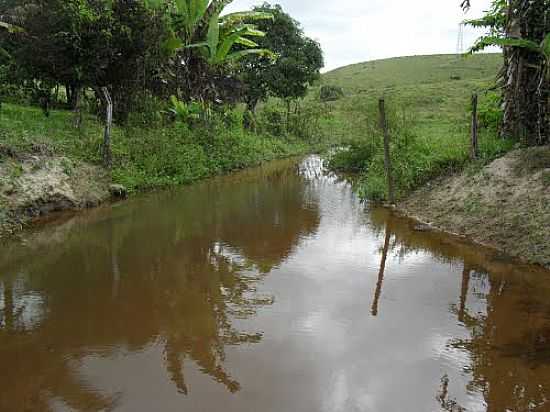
x,y
353,31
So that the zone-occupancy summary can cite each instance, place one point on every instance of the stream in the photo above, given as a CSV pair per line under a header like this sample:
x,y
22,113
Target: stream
x,y
269,290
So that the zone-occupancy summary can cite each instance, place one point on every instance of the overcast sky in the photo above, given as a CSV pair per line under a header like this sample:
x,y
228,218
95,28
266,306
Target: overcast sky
x,y
353,31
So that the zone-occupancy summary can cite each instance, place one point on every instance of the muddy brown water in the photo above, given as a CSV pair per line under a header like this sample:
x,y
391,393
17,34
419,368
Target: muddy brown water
x,y
271,290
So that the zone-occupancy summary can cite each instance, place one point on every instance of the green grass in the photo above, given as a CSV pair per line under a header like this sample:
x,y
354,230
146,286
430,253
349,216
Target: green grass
x,y
145,157
398,72
428,103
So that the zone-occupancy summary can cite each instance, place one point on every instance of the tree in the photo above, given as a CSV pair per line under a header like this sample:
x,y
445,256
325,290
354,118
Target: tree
x,y
92,44
299,62
522,29
226,32
204,43
6,59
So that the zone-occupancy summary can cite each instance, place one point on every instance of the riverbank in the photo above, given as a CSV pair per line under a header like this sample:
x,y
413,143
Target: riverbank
x,y
47,165
38,183
505,205
501,200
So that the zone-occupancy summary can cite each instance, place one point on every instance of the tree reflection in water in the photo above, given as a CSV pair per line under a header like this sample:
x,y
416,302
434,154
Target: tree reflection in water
x,y
130,276
509,324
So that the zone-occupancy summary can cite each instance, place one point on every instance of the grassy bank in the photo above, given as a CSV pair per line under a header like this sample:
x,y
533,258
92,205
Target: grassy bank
x,y
147,157
428,101
47,164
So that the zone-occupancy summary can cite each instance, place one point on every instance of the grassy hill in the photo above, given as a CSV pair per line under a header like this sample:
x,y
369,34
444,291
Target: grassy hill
x,y
428,102
415,70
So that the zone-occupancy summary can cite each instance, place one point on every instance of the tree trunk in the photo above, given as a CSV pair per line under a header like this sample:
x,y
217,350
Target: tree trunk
x,y
77,108
107,154
526,88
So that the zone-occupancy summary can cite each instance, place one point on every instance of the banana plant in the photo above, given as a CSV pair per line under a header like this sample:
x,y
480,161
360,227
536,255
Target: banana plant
x,y
186,15
543,48
189,19
184,112
228,31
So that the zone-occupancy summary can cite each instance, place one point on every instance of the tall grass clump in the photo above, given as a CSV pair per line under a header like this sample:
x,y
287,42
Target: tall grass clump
x,y
416,157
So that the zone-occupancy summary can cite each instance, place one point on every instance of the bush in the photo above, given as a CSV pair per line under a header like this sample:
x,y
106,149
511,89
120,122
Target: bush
x,y
415,159
272,120
331,93
303,123
490,113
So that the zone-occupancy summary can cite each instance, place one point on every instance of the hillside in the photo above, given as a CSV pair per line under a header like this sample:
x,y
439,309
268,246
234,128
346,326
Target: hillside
x,y
415,70
434,91
428,100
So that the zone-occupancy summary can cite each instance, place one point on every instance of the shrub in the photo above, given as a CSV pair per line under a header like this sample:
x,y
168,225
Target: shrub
x,y
330,93
415,158
271,120
490,111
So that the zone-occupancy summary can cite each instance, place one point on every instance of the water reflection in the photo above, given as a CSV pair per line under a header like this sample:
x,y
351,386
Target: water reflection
x,y
508,320
271,289
170,270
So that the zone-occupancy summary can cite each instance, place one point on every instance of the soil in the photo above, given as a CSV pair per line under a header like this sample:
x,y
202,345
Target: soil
x,y
38,184
505,205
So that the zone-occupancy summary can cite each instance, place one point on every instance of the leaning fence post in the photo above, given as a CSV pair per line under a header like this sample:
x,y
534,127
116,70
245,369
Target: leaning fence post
x,y
474,141
387,155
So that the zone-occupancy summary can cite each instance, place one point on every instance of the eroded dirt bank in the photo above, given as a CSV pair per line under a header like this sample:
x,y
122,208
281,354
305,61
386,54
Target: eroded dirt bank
x,y
505,205
39,183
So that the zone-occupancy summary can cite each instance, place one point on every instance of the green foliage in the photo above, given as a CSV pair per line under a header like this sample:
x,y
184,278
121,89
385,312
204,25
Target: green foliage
x,y
329,93
271,120
149,157
226,32
490,111
184,112
186,16
415,160
178,155
82,44
427,114
303,123
296,68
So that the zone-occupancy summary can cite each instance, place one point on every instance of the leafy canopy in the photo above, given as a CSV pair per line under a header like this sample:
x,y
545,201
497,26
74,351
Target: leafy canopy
x,y
299,61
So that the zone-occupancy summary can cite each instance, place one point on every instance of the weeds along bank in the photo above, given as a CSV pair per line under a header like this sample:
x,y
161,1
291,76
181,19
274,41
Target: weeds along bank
x,y
428,111
47,164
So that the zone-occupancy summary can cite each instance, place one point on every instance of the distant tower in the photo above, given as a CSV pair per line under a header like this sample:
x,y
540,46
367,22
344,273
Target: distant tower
x,y
460,40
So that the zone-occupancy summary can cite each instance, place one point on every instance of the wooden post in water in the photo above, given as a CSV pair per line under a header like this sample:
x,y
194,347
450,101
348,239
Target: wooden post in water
x,y
474,142
107,154
387,154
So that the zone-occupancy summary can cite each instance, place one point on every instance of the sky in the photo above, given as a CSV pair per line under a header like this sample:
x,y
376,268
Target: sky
x,y
354,31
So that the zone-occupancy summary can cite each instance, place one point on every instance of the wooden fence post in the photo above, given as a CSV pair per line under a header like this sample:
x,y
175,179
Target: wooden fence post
x,y
474,141
107,154
387,154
